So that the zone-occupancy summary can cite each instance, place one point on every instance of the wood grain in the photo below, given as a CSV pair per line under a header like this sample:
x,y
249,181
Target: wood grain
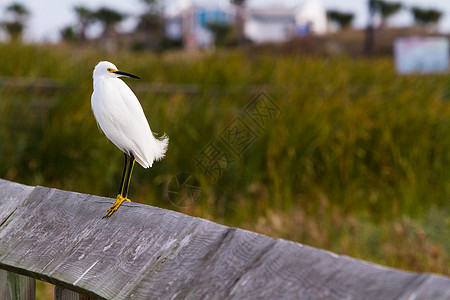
x,y
12,194
144,252
16,287
64,294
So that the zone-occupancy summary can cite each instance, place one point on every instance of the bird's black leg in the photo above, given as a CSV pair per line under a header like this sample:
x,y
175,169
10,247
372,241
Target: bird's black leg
x,y
128,176
124,184
123,175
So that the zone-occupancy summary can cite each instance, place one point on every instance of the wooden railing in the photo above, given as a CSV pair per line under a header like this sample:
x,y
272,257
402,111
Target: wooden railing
x,y
145,252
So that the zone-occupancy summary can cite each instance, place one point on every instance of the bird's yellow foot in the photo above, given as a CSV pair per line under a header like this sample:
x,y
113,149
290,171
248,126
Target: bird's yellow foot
x,y
115,206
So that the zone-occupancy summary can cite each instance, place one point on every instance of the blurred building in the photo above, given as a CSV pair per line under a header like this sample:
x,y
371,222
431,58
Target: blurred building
x,y
269,25
188,21
311,14
281,24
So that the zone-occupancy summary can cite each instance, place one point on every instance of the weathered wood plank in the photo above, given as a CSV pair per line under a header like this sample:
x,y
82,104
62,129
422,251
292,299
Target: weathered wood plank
x,y
64,294
72,243
433,287
207,270
13,194
303,270
16,287
144,252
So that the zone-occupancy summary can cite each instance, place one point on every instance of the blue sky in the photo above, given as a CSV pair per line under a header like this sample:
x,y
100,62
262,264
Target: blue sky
x,y
49,16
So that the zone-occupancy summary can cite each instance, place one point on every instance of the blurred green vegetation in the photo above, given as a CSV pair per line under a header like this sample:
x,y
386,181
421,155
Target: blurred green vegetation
x,y
357,163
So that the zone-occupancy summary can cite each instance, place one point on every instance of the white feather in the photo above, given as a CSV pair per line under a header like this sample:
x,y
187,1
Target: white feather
x,y
121,118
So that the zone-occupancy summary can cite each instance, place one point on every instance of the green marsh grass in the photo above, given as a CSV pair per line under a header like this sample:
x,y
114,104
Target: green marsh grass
x,y
357,163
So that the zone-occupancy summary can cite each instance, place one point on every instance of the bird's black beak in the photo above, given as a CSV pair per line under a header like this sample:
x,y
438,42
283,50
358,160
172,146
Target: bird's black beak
x,y
126,74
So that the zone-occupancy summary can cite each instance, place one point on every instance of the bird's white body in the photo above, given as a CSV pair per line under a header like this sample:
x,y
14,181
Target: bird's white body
x,y
121,118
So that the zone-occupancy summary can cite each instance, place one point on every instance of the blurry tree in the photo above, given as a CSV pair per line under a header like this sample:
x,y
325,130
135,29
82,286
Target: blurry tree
x,y
343,19
387,9
149,31
109,19
222,34
369,40
85,18
18,17
68,34
426,17
239,23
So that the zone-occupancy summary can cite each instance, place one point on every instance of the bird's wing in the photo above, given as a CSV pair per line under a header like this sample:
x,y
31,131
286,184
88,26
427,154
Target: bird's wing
x,y
120,116
111,114
140,132
131,101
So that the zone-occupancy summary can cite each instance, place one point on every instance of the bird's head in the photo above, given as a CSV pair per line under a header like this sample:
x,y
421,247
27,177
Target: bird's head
x,y
109,70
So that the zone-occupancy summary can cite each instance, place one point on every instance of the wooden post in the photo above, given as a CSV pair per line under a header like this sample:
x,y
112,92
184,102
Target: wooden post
x,y
16,287
63,294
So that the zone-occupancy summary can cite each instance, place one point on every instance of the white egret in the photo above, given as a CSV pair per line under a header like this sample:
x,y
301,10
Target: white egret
x,y
121,118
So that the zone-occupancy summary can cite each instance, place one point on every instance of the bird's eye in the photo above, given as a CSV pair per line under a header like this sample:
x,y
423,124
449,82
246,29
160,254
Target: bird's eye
x,y
109,70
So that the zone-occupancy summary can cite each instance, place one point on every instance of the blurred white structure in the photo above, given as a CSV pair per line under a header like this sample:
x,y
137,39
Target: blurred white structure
x,y
188,20
274,25
312,14
421,55
281,24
